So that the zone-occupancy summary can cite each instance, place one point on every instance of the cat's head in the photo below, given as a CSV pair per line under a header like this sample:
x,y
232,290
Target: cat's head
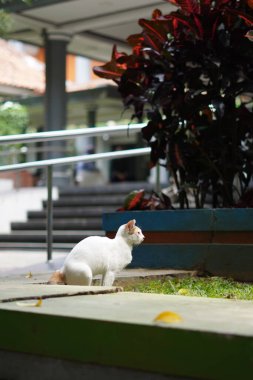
x,y
132,233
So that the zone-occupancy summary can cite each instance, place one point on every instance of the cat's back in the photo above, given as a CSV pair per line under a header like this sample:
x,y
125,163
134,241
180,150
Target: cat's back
x,y
91,244
93,251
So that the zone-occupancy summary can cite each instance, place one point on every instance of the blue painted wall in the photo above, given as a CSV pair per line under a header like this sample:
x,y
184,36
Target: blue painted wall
x,y
184,220
229,260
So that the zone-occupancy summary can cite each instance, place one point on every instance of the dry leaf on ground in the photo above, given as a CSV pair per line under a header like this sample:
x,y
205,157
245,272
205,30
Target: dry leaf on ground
x,y
168,317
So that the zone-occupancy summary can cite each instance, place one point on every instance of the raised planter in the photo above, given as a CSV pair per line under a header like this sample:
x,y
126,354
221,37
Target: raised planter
x,y
213,241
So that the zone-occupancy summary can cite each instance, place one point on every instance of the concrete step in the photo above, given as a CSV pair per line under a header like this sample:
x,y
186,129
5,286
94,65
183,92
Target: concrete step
x,y
31,246
35,236
68,212
102,200
115,188
67,224
76,213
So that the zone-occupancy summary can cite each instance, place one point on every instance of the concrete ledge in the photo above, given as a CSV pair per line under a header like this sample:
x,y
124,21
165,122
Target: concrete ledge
x,y
16,292
18,366
213,341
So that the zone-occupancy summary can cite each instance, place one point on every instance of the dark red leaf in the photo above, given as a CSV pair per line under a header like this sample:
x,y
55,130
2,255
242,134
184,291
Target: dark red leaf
x,y
167,201
110,70
245,16
178,156
121,209
250,3
214,28
246,199
135,39
188,6
199,26
159,30
156,14
115,54
220,3
133,199
183,20
137,50
205,6
151,41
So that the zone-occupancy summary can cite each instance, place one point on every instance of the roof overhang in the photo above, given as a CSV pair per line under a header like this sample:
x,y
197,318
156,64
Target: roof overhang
x,y
93,26
6,91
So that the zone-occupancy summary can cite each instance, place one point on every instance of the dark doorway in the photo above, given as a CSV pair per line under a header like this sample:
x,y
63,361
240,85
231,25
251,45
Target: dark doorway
x,y
123,169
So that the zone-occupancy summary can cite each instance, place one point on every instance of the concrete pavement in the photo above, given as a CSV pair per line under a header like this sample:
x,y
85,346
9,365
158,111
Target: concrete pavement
x,y
56,330
108,327
229,317
15,262
17,266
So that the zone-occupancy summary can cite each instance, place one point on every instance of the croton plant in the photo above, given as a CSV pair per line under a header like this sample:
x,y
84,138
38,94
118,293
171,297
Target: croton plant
x,y
189,76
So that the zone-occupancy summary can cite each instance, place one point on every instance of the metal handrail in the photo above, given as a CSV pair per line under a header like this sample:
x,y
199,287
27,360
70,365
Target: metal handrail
x,y
74,159
50,163
65,135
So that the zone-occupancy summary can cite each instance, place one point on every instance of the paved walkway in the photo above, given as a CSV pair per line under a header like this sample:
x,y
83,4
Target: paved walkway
x,y
107,327
212,340
15,262
15,265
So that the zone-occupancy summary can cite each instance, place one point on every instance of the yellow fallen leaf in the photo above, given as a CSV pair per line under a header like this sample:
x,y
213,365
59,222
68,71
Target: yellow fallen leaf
x,y
168,317
37,303
183,292
29,275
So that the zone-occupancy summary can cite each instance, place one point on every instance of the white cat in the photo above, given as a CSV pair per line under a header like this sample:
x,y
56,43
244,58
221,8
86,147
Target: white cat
x,y
99,255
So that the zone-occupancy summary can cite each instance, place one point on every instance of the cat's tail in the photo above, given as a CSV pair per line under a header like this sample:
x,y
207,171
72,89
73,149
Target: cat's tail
x,y
57,278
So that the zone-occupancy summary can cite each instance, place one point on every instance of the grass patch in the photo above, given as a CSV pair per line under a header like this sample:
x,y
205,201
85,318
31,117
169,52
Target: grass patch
x,y
214,287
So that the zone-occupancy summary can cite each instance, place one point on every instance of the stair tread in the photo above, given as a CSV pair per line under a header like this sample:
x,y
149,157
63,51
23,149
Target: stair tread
x,y
67,227
83,202
115,188
92,197
35,246
77,214
87,202
39,237
70,221
55,232
67,211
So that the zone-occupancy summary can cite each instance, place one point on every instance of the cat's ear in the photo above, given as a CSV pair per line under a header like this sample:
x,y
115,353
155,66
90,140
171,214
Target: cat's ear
x,y
130,225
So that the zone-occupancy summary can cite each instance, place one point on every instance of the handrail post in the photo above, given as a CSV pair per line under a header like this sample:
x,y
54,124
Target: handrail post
x,y
158,183
49,211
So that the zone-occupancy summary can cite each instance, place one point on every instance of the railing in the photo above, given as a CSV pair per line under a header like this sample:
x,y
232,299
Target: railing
x,y
50,163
